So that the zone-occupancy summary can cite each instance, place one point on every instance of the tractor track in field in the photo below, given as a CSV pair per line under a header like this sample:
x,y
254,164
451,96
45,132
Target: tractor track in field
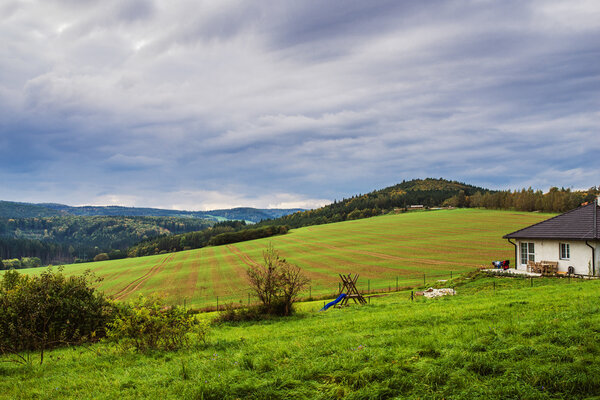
x,y
245,259
136,283
375,254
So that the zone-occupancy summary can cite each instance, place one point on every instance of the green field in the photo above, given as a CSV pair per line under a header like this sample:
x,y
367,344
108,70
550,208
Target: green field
x,y
499,338
386,251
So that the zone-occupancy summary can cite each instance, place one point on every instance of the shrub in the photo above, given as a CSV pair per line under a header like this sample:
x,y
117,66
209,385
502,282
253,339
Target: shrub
x,y
231,313
149,324
101,257
49,310
277,282
12,263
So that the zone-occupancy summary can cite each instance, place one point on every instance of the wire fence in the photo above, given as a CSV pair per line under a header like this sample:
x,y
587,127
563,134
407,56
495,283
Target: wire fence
x,y
240,297
367,287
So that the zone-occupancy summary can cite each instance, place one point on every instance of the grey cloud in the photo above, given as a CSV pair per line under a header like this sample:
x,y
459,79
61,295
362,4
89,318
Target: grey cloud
x,y
311,99
119,162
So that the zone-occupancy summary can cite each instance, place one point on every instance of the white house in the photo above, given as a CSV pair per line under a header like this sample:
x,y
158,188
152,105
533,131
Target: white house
x,y
572,239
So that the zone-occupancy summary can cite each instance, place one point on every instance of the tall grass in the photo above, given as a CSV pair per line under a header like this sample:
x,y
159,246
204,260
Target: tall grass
x,y
507,340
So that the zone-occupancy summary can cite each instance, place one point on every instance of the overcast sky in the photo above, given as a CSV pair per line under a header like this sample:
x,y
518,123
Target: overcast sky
x,y
214,104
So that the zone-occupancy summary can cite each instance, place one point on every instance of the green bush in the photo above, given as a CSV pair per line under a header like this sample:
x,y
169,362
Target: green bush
x,y
101,257
149,324
49,310
232,313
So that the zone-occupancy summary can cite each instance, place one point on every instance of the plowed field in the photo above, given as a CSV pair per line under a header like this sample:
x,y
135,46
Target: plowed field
x,y
383,250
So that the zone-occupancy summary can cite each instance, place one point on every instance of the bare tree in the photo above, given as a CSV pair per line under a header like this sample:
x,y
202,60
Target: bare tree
x,y
293,281
264,277
276,280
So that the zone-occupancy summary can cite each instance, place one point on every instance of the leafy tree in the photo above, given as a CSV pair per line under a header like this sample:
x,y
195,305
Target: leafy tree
x,y
49,310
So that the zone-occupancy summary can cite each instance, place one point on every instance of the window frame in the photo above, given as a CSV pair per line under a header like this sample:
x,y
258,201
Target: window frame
x,y
564,249
527,252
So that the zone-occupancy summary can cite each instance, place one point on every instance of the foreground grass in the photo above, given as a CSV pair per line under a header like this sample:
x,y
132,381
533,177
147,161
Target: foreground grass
x,y
514,341
386,251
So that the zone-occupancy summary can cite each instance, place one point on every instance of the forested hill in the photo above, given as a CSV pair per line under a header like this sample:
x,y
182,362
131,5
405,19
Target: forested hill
x,y
440,192
9,209
67,238
426,192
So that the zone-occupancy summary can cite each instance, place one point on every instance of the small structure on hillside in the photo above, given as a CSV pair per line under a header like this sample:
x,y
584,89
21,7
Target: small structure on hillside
x,y
349,288
566,244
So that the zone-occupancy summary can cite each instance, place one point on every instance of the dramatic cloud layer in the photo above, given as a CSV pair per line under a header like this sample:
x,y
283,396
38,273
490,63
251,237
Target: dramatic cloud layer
x,y
212,104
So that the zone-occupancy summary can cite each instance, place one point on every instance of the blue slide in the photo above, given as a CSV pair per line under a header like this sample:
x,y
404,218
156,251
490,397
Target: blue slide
x,y
333,303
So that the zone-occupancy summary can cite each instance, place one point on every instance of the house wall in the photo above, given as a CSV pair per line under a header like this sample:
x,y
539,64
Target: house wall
x,y
549,250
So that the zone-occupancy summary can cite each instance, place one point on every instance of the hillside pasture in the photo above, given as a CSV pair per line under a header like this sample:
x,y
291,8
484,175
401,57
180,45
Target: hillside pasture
x,y
402,249
499,338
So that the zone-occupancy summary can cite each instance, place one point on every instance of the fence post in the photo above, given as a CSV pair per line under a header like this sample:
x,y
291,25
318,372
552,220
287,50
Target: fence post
x,y
217,303
424,280
310,291
412,296
450,274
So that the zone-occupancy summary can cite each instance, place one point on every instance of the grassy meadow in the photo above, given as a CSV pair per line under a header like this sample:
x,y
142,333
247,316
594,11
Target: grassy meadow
x,y
499,338
386,251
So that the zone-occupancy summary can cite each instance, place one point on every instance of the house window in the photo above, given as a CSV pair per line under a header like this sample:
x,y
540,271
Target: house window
x,y
565,251
527,252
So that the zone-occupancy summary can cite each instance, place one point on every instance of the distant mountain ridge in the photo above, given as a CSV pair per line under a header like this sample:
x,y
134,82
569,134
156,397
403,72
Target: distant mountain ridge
x,y
9,209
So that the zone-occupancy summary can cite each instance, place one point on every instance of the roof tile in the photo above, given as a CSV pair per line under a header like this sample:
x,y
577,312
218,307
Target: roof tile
x,y
576,224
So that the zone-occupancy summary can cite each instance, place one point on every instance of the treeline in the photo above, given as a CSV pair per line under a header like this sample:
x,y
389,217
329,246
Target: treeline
x,y
47,252
16,263
437,193
68,239
221,233
247,234
555,200
426,192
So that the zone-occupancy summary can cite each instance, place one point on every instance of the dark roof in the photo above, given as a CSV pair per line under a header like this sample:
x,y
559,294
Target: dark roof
x,y
576,224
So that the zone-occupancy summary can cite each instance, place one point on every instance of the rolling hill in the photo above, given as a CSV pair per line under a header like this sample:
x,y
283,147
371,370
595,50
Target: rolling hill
x,y
386,251
9,209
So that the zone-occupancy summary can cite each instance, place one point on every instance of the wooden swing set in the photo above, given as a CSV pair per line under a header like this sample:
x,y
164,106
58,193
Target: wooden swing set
x,y
349,287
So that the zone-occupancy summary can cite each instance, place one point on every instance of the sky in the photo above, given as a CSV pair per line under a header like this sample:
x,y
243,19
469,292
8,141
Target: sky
x,y
200,105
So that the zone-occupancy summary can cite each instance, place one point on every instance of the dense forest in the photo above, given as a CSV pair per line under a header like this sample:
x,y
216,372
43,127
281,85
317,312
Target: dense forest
x,y
555,200
68,239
